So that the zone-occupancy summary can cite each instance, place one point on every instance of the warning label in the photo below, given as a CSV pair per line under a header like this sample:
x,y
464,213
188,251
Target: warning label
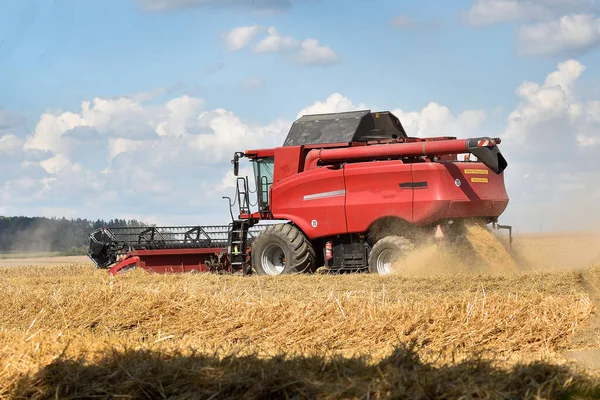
x,y
479,180
476,171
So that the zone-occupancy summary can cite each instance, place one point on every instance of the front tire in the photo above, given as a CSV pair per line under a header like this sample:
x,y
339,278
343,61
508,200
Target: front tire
x,y
387,252
282,249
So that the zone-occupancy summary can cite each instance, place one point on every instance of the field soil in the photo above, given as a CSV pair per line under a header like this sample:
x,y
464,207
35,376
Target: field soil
x,y
440,329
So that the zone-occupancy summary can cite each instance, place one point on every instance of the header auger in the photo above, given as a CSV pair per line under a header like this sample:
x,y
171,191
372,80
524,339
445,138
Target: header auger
x,y
346,192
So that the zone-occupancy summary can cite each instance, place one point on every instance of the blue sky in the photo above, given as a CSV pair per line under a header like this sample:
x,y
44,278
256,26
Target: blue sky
x,y
458,67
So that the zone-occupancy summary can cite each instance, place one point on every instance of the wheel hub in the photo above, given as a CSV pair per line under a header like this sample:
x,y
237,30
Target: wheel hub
x,y
385,261
273,259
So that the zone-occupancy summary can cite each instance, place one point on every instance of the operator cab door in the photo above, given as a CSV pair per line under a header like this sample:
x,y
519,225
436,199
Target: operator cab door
x,y
263,175
377,189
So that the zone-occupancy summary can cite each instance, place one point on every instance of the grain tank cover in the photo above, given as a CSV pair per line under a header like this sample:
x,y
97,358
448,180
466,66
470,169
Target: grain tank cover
x,y
344,127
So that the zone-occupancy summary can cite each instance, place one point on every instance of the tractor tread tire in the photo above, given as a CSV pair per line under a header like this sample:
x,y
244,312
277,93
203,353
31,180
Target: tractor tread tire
x,y
294,243
399,243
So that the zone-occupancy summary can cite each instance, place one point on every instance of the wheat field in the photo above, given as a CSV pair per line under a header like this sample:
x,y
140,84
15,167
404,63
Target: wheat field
x,y
71,331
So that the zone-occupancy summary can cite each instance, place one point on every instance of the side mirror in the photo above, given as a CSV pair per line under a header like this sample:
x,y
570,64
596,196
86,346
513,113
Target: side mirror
x,y
236,163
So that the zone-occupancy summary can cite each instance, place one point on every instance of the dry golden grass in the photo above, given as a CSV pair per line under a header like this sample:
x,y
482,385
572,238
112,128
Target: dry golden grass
x,y
71,331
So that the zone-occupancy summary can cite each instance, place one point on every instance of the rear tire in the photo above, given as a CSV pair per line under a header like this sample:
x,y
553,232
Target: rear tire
x,y
282,249
386,252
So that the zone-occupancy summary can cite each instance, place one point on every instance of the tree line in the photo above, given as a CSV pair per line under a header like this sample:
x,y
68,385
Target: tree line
x,y
40,234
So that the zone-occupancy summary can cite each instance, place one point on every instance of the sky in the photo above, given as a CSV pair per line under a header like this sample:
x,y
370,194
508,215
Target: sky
x,y
134,108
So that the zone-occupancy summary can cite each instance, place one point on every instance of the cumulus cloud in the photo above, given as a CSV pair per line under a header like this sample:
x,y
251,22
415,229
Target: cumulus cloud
x,y
127,154
240,37
544,27
569,33
437,120
305,52
9,144
491,12
433,120
334,103
549,113
313,53
553,137
275,43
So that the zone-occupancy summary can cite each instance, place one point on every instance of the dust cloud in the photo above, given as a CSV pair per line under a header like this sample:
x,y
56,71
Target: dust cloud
x,y
488,252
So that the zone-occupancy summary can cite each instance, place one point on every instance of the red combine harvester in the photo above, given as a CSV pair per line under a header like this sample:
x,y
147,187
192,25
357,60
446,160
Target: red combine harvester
x,y
351,192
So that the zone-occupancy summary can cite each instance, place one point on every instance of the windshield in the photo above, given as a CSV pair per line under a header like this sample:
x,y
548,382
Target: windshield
x,y
263,167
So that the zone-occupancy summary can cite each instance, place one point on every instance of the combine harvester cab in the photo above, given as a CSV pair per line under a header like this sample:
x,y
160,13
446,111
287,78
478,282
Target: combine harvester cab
x,y
346,192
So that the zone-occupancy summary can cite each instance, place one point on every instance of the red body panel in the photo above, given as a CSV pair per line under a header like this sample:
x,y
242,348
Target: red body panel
x,y
481,192
430,202
373,190
316,195
287,160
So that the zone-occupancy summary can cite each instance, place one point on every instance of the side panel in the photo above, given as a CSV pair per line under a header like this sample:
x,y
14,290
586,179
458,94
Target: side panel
x,y
313,200
377,189
431,200
457,190
287,162
481,193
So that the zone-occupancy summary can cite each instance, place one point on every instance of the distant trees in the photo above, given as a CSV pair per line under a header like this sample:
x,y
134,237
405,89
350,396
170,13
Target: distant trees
x,y
40,234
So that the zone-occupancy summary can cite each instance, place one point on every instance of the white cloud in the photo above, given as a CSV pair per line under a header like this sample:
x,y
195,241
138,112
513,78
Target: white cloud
x,y
129,157
553,136
304,52
433,120
490,12
275,43
550,114
49,130
575,32
312,53
334,103
437,120
239,38
55,164
10,143
545,27
118,146
179,112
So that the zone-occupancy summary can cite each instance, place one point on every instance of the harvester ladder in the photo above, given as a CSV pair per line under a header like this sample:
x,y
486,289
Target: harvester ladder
x,y
243,195
238,241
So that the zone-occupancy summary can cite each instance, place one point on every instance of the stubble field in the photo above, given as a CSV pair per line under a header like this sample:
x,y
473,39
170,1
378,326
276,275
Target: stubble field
x,y
440,331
